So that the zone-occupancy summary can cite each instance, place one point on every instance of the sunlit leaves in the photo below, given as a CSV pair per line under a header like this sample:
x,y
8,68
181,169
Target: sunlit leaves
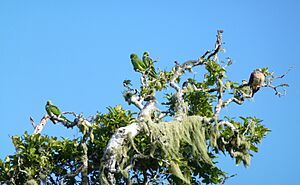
x,y
239,144
214,72
37,156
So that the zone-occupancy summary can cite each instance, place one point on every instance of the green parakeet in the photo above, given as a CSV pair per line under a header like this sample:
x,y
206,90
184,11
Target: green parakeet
x,y
146,59
149,64
138,64
53,110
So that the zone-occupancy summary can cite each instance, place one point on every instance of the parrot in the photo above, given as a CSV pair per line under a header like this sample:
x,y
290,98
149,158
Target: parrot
x,y
257,79
149,64
52,110
138,64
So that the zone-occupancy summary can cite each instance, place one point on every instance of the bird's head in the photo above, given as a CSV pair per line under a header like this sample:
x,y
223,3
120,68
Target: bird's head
x,y
258,69
146,54
49,102
132,56
264,71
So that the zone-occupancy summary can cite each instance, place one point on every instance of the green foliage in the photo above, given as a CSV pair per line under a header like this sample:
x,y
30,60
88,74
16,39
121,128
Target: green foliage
x,y
200,103
104,127
38,157
214,72
241,142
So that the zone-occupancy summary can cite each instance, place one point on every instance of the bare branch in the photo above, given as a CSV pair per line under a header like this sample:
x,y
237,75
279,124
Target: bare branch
x,y
226,178
285,73
19,167
217,45
277,92
39,127
73,174
84,169
202,60
233,99
65,122
181,107
219,105
134,99
32,122
270,80
228,124
73,113
148,110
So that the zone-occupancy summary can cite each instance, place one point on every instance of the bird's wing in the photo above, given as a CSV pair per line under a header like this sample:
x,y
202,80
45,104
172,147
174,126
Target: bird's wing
x,y
54,110
251,79
137,64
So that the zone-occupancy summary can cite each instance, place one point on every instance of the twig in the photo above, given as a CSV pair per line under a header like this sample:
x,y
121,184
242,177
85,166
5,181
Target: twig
x,y
19,167
217,45
275,88
73,174
186,85
233,99
283,75
32,122
226,178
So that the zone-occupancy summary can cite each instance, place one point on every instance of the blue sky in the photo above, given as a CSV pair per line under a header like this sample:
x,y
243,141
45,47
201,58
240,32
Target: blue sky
x,y
76,53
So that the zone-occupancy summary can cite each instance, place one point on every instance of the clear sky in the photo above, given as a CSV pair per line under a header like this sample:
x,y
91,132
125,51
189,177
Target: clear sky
x,y
76,53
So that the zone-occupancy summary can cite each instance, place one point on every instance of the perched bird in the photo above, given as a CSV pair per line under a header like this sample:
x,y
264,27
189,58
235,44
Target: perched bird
x,y
138,64
257,79
149,64
52,111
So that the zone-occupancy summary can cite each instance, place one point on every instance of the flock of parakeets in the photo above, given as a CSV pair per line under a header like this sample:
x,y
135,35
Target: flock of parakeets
x,y
146,66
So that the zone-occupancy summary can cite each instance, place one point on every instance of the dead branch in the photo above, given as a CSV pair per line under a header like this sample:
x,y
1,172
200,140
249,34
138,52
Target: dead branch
x,y
40,126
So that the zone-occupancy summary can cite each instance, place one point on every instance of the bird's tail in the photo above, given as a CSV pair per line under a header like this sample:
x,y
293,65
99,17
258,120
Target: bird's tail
x,y
63,117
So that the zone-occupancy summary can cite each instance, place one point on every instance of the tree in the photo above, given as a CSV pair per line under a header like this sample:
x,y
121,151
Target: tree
x,y
126,147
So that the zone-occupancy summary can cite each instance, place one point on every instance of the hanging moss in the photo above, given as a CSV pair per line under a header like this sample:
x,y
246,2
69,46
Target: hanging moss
x,y
182,147
170,137
167,142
